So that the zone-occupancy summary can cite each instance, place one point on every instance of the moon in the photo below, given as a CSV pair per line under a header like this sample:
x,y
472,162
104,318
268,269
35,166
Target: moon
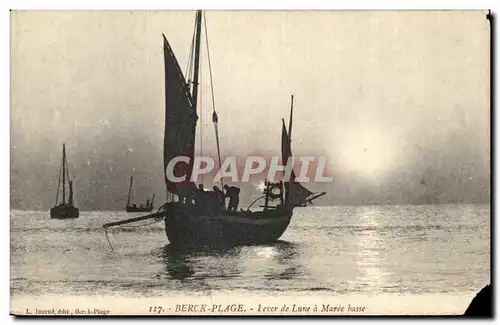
x,y
368,153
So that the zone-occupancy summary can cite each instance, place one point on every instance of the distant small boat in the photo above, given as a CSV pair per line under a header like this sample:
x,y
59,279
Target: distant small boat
x,y
64,210
132,207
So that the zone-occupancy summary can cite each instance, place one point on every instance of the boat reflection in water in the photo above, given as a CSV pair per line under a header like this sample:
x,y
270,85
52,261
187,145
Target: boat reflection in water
x,y
210,268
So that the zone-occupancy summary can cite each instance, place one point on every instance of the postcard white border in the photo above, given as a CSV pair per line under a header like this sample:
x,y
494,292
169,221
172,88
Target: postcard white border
x,y
186,4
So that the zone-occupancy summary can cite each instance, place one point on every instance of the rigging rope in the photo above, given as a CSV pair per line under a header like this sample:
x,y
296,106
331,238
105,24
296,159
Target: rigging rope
x,y
215,118
143,225
106,232
59,181
67,170
189,66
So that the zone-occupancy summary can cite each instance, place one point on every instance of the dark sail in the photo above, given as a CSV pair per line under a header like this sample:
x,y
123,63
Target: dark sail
x,y
180,120
295,193
129,198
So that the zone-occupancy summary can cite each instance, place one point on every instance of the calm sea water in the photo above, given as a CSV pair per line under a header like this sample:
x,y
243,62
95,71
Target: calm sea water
x,y
420,259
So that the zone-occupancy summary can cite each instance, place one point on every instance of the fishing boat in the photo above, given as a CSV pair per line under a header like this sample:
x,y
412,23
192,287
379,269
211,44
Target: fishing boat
x,y
132,207
63,209
189,225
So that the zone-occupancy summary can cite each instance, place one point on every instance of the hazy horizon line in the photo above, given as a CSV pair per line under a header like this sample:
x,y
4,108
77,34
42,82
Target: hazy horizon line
x,y
311,206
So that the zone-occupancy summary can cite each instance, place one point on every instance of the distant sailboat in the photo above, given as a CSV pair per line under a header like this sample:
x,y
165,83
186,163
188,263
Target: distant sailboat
x,y
132,207
64,210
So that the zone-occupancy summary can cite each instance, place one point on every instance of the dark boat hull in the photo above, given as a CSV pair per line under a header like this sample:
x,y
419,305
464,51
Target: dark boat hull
x,y
64,212
227,229
139,209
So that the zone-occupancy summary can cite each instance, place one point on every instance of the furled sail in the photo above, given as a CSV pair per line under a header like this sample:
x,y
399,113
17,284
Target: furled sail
x,y
295,193
180,121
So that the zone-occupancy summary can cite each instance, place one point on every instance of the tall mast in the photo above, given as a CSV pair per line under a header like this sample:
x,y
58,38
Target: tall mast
x,y
64,173
196,59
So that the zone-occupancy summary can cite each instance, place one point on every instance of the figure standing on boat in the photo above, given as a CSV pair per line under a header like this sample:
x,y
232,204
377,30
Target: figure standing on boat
x,y
221,198
233,193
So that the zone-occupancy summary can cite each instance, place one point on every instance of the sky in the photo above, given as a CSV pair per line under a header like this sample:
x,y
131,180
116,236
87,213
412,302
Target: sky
x,y
398,102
